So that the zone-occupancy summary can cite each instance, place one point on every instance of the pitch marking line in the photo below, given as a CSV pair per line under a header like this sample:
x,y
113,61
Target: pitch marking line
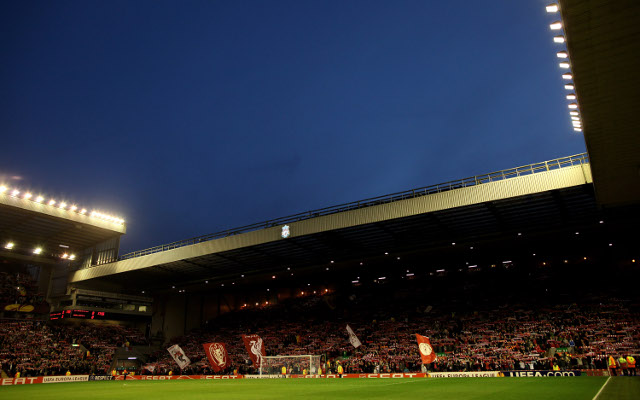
x,y
600,391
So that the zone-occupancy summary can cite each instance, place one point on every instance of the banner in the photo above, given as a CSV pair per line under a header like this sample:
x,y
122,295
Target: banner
x,y
255,348
426,351
100,377
177,377
355,342
522,374
477,374
64,378
178,356
217,355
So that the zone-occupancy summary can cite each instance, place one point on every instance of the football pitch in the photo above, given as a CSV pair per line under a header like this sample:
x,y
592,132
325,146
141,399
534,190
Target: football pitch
x,y
584,388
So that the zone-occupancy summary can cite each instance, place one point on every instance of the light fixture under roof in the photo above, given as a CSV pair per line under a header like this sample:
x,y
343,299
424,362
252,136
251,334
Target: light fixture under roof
x,y
565,65
571,96
552,8
558,39
9,245
573,106
27,196
567,76
562,54
569,86
556,26
37,250
575,118
574,113
39,199
52,202
577,129
3,189
15,192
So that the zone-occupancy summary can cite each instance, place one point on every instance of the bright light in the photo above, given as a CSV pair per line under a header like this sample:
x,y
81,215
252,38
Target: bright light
x,y
565,64
569,86
27,196
72,257
558,39
15,192
575,118
73,208
39,199
63,205
574,113
9,246
439,270
567,76
551,8
65,255
577,129
571,96
37,250
573,106
556,26
576,123
83,211
3,189
562,54
52,202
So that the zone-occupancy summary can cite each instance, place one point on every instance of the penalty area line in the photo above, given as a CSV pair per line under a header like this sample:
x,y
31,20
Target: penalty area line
x,y
600,391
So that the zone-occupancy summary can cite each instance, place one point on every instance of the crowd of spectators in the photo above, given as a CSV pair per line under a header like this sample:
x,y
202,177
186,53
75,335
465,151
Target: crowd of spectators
x,y
19,288
520,337
37,348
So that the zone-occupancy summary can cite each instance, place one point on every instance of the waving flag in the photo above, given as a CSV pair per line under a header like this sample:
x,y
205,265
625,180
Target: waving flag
x,y
355,342
178,355
426,351
255,348
217,355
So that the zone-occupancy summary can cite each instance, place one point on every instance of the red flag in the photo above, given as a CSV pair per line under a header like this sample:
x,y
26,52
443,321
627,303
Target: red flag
x,y
426,351
217,355
255,348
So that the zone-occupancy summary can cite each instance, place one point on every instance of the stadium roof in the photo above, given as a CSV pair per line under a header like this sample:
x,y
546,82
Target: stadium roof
x,y
538,203
28,223
603,42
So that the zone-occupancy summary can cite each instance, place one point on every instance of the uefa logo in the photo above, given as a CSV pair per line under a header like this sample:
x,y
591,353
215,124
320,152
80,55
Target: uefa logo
x,y
285,232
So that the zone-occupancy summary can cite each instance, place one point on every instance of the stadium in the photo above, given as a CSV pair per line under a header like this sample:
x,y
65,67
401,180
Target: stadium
x,y
516,283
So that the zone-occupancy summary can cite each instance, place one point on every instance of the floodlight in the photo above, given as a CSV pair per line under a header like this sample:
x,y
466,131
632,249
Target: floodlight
x,y
27,196
573,106
83,211
15,192
551,8
574,113
73,208
39,199
569,86
37,250
9,246
52,202
562,54
556,26
575,118
63,205
3,189
565,64
558,39
72,257
577,129
571,96
567,76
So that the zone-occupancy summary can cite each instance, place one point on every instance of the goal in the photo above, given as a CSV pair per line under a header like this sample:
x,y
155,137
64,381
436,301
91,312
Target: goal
x,y
272,365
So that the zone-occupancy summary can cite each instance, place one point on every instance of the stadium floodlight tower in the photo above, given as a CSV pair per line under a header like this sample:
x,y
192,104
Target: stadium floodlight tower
x,y
296,364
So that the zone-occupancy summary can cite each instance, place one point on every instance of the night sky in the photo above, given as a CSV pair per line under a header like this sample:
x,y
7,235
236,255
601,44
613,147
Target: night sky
x,y
190,117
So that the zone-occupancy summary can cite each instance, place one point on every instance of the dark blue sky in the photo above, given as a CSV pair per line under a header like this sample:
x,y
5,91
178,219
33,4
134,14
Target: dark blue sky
x,y
187,118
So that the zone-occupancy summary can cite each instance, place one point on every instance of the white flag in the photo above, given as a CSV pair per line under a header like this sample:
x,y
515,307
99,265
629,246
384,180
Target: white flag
x,y
178,355
353,338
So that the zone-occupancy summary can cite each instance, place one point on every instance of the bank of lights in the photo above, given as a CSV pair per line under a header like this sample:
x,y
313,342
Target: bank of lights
x,y
59,205
565,64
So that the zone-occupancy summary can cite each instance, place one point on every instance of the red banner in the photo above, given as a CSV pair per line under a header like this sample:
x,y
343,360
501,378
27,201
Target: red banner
x,y
217,355
255,348
426,351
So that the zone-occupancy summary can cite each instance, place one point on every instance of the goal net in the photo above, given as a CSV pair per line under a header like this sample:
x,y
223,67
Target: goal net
x,y
272,365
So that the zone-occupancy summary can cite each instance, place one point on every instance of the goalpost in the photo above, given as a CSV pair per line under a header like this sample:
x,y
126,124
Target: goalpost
x,y
272,365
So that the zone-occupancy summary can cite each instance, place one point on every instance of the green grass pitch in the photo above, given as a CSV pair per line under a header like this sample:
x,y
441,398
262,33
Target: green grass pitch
x,y
335,389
